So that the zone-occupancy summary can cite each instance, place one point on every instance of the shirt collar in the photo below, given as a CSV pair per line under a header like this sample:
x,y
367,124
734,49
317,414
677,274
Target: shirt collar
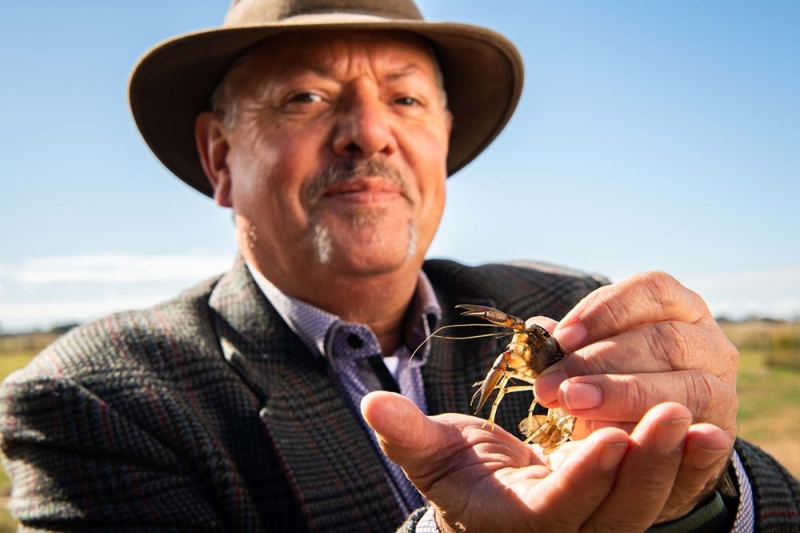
x,y
312,324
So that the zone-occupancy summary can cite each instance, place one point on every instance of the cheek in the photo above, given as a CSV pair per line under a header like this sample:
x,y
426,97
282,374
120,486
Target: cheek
x,y
430,167
269,175
432,142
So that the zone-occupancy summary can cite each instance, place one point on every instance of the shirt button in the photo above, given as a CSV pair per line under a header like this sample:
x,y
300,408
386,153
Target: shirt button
x,y
354,341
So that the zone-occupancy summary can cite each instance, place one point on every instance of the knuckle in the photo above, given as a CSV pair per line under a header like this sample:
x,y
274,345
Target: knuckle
x,y
635,397
614,317
660,286
595,364
591,360
701,397
668,342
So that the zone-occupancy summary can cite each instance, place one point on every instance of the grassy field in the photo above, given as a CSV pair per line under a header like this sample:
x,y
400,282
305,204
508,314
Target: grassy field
x,y
768,386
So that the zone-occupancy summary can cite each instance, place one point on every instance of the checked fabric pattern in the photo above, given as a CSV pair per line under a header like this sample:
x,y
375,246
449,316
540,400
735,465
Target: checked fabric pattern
x,y
208,414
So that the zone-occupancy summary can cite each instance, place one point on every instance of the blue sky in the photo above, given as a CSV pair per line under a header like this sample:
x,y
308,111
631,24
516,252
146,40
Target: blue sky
x,y
650,135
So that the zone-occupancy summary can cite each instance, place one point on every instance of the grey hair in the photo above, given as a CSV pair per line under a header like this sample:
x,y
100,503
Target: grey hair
x,y
224,100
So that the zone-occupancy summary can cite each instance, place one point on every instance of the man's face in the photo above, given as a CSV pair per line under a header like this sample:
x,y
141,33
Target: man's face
x,y
336,161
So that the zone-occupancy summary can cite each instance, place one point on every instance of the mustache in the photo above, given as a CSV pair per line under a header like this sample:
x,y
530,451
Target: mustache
x,y
352,170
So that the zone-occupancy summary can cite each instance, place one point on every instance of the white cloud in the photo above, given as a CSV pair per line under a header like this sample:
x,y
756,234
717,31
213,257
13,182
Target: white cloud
x,y
43,291
120,268
772,292
43,315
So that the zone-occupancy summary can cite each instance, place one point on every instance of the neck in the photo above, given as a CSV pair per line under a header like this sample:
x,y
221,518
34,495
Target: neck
x,y
378,301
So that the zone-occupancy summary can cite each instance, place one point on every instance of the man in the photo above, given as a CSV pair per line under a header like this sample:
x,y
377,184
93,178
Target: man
x,y
329,128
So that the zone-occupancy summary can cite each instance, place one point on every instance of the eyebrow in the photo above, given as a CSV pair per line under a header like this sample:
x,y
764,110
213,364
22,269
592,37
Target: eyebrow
x,y
324,71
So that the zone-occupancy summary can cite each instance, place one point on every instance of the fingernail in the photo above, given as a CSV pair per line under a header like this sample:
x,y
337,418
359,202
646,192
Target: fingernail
x,y
572,336
704,458
580,396
548,383
612,455
670,434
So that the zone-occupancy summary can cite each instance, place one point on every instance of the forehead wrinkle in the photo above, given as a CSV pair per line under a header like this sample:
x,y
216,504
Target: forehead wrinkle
x,y
407,71
394,74
349,57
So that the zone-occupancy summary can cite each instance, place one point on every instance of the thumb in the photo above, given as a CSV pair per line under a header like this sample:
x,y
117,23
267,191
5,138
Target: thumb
x,y
405,434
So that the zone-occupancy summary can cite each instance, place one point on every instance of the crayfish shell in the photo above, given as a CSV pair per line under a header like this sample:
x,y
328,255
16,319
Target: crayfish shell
x,y
548,431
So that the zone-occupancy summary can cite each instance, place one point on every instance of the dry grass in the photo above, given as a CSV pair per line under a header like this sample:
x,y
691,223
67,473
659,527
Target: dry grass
x,y
768,386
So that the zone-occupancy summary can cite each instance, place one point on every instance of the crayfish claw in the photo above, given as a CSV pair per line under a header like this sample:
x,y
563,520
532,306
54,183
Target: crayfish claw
x,y
490,314
493,378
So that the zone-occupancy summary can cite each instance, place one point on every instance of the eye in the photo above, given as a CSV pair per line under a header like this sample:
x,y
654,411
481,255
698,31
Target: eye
x,y
305,98
407,101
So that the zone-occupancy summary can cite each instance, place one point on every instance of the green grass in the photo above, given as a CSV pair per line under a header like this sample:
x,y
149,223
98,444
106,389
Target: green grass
x,y
769,407
763,389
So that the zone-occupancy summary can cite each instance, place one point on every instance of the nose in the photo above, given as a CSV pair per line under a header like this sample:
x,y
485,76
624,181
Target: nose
x,y
364,126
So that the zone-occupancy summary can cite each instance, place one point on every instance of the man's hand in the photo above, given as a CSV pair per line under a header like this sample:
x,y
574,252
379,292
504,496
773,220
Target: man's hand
x,y
636,344
479,479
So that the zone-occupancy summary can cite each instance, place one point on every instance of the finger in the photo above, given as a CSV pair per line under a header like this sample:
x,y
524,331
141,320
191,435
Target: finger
x,y
582,477
626,398
705,458
585,427
547,323
638,300
657,347
427,448
403,431
648,471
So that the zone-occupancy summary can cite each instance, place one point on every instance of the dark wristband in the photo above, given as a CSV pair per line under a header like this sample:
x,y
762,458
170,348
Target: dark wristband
x,y
714,514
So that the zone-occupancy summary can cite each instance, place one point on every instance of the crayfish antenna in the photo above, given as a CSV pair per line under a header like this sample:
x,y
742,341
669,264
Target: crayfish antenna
x,y
435,334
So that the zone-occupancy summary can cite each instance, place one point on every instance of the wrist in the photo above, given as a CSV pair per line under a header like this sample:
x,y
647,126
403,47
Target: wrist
x,y
444,525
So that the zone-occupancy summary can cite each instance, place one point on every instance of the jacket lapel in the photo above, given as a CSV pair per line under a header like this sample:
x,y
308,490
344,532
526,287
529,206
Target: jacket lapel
x,y
334,470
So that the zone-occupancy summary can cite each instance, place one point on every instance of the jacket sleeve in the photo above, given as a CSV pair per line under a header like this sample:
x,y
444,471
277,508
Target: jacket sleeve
x,y
776,493
78,463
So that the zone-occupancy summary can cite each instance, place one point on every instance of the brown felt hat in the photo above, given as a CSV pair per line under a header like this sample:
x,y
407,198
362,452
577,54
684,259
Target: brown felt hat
x,y
174,80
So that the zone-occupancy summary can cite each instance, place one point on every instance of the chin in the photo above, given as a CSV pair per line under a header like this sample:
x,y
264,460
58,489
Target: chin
x,y
367,249
372,261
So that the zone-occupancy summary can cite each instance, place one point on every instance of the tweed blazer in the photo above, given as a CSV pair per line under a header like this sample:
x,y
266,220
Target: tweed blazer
x,y
207,414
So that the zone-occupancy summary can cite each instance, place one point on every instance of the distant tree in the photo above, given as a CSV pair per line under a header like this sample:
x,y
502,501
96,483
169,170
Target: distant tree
x,y
60,329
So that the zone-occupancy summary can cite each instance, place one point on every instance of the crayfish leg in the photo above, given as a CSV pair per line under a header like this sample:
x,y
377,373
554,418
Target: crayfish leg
x,y
552,432
530,419
530,425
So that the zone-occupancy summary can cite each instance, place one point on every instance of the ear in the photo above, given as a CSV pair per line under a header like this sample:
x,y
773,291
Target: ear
x,y
211,138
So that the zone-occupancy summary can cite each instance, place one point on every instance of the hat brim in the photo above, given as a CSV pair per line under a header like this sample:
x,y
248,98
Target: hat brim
x,y
172,83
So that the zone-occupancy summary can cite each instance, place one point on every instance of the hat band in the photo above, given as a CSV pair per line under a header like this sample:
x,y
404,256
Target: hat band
x,y
335,18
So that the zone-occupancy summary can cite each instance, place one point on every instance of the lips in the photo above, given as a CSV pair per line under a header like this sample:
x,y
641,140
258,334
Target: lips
x,y
364,191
